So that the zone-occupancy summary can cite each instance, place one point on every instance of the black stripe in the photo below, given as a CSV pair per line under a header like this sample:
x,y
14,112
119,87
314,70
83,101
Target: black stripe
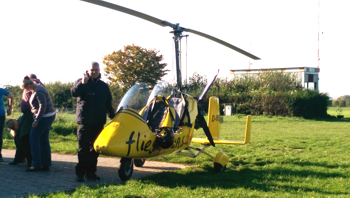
x,y
133,114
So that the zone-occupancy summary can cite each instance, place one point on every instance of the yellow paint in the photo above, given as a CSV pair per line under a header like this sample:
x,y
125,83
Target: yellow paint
x,y
214,117
221,158
129,136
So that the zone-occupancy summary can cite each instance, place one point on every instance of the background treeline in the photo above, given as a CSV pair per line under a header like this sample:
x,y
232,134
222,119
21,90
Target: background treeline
x,y
342,101
268,93
61,95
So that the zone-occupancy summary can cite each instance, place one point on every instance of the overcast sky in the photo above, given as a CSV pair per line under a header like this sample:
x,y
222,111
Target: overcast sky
x,y
58,39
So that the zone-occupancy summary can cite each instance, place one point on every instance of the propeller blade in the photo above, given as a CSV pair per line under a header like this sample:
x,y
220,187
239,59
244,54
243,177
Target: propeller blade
x,y
207,87
206,130
131,12
166,23
222,43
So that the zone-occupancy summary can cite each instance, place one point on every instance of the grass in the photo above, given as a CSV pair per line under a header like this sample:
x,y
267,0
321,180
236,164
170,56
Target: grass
x,y
287,157
62,135
333,111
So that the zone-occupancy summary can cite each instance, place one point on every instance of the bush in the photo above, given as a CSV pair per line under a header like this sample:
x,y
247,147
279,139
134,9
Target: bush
x,y
310,104
269,93
60,94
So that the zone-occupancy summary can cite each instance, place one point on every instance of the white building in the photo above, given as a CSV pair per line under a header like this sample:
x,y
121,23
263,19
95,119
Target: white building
x,y
307,76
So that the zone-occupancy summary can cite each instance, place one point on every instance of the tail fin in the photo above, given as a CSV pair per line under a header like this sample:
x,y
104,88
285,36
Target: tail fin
x,y
214,120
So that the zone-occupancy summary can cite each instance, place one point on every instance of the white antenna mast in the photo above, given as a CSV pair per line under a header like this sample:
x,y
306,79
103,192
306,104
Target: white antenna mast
x,y
318,39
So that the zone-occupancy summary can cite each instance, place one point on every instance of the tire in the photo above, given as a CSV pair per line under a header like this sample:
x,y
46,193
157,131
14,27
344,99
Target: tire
x,y
219,168
139,162
125,169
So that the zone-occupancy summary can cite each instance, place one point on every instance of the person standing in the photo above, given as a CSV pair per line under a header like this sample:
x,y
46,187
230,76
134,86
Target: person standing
x,y
4,92
93,104
44,115
22,140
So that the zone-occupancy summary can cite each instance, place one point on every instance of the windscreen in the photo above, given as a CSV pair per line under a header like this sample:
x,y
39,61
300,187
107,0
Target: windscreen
x,y
135,98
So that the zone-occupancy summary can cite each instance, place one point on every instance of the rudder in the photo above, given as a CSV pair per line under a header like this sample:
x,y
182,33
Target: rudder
x,y
213,122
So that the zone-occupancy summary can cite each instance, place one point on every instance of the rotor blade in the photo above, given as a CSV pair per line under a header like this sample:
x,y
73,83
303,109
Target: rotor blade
x,y
131,12
206,129
222,43
207,87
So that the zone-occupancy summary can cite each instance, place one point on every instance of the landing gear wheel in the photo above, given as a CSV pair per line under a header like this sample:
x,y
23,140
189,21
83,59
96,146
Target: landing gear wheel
x,y
139,162
126,168
219,168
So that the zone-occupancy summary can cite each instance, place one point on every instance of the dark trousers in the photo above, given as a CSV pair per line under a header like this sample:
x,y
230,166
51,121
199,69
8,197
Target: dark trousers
x,y
22,140
2,123
87,156
25,140
23,150
19,156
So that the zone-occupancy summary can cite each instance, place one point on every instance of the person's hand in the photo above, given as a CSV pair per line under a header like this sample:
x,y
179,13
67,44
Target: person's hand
x,y
35,124
9,111
85,79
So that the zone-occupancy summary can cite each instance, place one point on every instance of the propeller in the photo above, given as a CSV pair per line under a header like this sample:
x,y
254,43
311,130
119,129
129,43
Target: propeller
x,y
163,23
202,123
200,118
205,90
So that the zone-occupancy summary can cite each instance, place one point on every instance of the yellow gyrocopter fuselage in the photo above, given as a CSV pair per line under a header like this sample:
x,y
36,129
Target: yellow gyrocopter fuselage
x,y
161,126
129,136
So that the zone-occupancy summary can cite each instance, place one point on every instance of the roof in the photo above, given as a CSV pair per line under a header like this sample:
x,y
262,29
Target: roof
x,y
307,69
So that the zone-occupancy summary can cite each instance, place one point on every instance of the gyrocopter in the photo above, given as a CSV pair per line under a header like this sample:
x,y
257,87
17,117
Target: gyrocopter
x,y
162,121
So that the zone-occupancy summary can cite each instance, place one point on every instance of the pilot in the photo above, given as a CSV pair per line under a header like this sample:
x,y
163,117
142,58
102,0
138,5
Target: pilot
x,y
93,103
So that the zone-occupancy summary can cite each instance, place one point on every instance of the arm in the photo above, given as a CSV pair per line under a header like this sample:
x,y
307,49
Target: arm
x,y
42,101
110,110
11,98
77,89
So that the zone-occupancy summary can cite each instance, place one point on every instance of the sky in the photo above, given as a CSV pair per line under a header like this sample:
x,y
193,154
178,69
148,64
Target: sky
x,y
58,39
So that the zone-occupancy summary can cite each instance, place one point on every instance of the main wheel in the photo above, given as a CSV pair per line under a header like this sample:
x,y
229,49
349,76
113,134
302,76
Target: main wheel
x,y
139,162
219,168
125,169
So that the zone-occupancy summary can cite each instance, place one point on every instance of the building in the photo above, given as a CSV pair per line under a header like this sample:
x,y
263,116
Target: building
x,y
307,76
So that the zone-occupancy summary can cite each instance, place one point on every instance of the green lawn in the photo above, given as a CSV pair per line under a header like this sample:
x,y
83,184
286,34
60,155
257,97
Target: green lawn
x,y
287,157
345,111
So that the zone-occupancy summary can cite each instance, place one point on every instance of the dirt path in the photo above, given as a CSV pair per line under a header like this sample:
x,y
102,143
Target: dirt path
x,y
15,182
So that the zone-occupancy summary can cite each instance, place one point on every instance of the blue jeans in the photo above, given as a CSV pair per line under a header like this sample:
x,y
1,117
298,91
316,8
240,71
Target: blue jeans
x,y
40,144
2,123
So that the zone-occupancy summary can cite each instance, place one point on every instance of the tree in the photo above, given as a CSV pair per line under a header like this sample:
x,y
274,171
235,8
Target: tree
x,y
134,64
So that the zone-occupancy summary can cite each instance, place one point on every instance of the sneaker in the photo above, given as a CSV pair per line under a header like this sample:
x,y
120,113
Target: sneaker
x,y
33,169
92,176
80,179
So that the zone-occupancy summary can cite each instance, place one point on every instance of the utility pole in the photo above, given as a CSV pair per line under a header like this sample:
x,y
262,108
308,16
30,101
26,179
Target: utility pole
x,y
318,39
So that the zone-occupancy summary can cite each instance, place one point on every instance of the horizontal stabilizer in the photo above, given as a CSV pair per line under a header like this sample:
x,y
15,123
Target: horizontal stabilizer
x,y
205,141
218,141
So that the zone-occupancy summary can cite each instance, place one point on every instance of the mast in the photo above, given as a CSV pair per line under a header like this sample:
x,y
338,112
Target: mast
x,y
318,37
177,37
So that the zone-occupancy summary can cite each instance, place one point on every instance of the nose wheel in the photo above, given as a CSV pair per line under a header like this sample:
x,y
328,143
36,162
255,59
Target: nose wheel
x,y
219,168
126,168
139,162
